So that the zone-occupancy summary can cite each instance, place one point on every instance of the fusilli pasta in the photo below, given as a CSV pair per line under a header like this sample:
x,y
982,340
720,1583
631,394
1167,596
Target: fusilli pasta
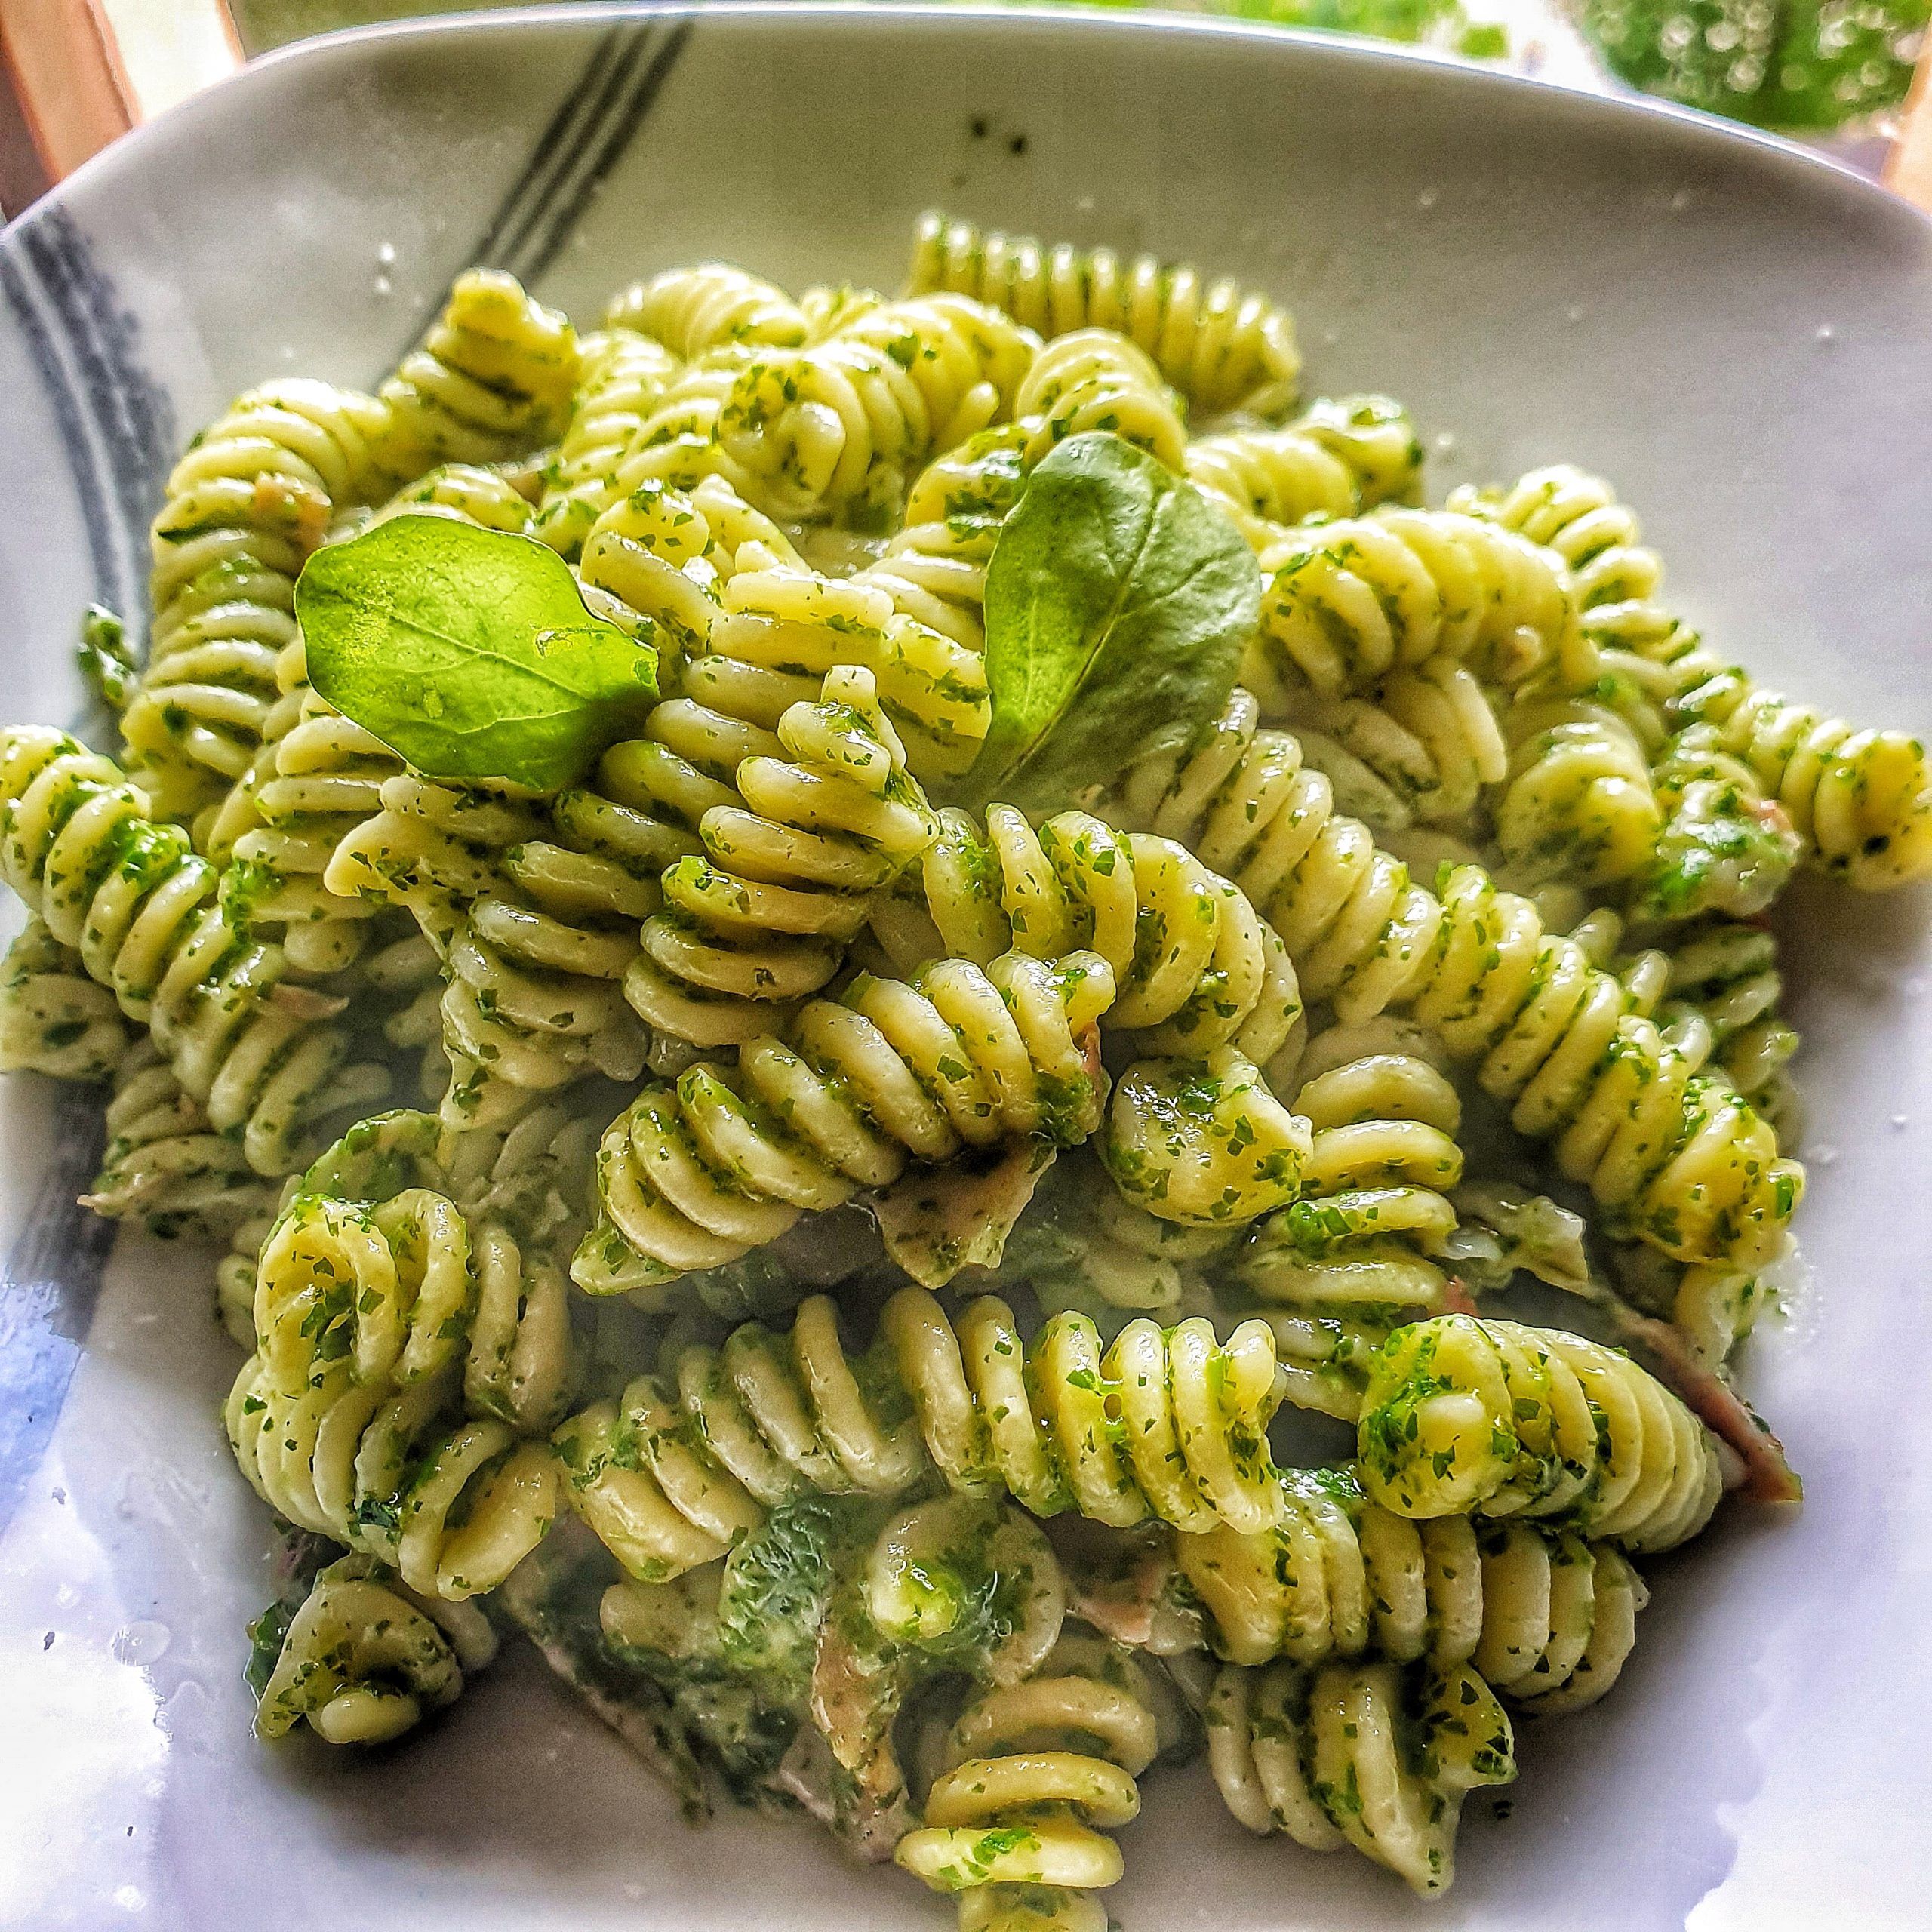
x,y
1365,1754
53,1018
840,423
1222,348
1860,800
623,375
128,892
1464,1414
1029,1772
1164,1423
1674,1152
693,1176
1546,1616
365,1657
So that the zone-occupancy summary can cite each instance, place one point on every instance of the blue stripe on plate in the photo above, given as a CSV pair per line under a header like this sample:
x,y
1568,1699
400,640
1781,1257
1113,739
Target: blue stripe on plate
x,y
116,426
53,1280
43,338
132,417
599,94
621,132
591,129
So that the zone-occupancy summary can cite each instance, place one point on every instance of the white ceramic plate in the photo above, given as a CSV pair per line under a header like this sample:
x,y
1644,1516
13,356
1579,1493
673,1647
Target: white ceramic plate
x,y
1739,334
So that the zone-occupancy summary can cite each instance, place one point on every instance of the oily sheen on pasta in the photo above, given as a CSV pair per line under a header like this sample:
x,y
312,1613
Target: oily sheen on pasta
x,y
794,1128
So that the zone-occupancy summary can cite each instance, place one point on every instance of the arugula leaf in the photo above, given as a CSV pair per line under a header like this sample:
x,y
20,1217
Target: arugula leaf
x,y
1118,602
469,652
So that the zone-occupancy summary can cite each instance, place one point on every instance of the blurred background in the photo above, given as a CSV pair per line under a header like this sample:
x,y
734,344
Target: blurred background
x,y
1839,74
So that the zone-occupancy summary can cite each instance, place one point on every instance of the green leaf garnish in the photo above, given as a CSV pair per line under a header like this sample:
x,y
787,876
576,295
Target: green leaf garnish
x,y
469,652
1117,600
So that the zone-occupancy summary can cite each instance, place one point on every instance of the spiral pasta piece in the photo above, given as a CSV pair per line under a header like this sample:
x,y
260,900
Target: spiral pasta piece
x,y
1196,967
1723,845
164,1166
781,628
431,847
1164,1423
128,894
342,1419
1464,1414
1203,1143
243,509
709,305
759,921
1546,1616
1860,800
1033,1774
651,566
1721,1004
1366,1755
695,1175
1222,348
1422,746
542,947
676,444
1341,458
365,1658
1095,379
1577,802
839,423
1345,604
1372,1226
492,380
53,1018
624,374
1673,1152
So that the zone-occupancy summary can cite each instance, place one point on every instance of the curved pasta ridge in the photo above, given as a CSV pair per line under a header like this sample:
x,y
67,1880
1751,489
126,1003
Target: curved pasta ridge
x,y
241,512
697,1173
709,305
54,1018
1669,1148
318,776
1345,604
760,919
1032,1777
1164,1424
365,1658
1095,379
1196,967
842,421
129,895
1463,1413
1224,347
1370,1232
349,1418
1341,457
1546,1616
1369,1754
1860,800
623,375
492,380
165,1165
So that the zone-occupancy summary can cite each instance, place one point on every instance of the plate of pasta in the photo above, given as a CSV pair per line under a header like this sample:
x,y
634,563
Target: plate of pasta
x,y
889,970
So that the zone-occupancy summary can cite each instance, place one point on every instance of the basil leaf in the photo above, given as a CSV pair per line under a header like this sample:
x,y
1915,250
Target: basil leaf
x,y
1118,602
469,652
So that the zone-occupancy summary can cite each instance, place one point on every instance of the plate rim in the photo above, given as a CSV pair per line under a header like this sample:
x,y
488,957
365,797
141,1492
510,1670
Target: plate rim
x,y
1625,111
